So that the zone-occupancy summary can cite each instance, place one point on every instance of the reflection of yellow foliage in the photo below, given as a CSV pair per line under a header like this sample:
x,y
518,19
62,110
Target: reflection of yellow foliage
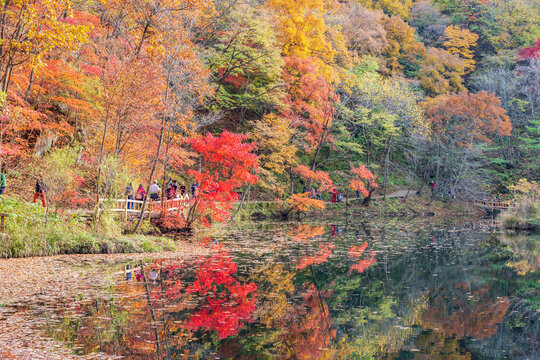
x,y
386,334
522,267
439,347
274,288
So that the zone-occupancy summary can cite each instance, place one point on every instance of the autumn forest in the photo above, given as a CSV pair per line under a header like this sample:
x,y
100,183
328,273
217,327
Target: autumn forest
x,y
269,179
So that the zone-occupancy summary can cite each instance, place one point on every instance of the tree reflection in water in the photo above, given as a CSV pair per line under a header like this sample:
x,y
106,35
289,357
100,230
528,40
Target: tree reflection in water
x,y
315,293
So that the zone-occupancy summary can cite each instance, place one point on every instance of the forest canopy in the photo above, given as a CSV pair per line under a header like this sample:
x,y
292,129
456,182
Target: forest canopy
x,y
416,91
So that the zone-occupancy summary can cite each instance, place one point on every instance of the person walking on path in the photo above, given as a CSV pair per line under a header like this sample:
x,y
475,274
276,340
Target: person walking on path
x,y
154,191
172,188
3,183
433,187
129,196
334,195
141,193
41,191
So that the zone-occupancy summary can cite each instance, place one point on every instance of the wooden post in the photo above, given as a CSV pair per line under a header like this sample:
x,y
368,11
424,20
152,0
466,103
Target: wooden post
x,y
126,208
3,222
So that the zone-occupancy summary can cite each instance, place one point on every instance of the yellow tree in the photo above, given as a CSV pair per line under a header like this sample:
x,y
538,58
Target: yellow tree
x,y
402,51
461,42
30,29
394,7
441,72
303,33
273,134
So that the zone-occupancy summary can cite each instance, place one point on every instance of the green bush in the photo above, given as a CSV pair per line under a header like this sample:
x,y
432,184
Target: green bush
x,y
32,232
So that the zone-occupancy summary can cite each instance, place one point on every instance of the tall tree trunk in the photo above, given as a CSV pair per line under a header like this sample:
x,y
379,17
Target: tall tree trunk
x,y
31,82
101,151
154,166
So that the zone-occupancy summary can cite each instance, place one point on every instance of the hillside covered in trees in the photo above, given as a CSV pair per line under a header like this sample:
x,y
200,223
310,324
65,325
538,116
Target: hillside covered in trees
x,y
273,96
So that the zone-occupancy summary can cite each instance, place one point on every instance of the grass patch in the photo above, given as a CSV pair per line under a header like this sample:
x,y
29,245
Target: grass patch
x,y
29,232
525,215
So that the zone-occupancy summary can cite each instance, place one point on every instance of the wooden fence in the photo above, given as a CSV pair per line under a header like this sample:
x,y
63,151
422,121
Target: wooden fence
x,y
493,205
129,207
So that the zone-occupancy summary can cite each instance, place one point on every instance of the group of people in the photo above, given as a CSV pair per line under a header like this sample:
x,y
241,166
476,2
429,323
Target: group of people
x,y
40,192
434,187
337,196
172,191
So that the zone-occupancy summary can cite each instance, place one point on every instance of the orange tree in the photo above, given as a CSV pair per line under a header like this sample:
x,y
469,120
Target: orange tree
x,y
463,124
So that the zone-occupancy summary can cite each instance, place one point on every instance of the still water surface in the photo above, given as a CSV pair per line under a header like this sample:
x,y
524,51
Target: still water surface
x,y
311,291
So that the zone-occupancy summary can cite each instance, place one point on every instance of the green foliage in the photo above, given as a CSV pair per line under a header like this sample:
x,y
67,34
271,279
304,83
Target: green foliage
x,y
30,233
246,64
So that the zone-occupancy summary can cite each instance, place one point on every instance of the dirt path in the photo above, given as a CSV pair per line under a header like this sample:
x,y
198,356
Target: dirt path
x,y
398,194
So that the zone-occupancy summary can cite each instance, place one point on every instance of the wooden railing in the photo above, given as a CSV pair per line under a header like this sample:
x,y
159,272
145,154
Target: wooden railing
x,y
490,204
130,207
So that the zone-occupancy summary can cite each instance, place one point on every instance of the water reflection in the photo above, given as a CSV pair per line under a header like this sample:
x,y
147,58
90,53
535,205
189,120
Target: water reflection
x,y
388,291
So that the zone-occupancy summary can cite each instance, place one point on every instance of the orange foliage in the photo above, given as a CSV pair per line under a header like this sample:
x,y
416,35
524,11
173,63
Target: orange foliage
x,y
468,117
304,232
357,251
364,181
303,203
310,100
311,332
363,264
321,177
319,258
479,319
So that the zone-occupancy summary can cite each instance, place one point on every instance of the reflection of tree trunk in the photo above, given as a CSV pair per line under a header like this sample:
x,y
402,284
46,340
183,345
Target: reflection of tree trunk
x,y
243,199
317,288
386,161
152,314
367,231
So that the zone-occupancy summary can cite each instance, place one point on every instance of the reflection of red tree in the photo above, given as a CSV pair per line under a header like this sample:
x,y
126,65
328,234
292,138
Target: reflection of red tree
x,y
319,258
225,303
308,337
478,319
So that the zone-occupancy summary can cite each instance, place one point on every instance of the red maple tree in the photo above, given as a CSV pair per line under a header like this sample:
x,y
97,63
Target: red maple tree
x,y
227,164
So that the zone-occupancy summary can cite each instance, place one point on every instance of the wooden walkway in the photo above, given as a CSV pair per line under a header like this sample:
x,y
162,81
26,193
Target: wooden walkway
x,y
493,205
152,209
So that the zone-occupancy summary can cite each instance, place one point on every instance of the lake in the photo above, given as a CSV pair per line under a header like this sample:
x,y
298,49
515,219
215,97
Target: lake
x,y
339,289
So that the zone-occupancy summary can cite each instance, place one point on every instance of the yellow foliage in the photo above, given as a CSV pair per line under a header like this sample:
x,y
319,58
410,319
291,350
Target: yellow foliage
x,y
525,186
461,43
303,33
273,136
441,72
401,8
402,46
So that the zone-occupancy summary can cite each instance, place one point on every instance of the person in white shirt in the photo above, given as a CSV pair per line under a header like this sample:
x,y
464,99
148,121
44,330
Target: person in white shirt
x,y
154,191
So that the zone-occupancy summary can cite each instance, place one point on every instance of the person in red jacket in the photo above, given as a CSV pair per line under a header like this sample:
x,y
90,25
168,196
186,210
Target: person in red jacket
x,y
41,190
